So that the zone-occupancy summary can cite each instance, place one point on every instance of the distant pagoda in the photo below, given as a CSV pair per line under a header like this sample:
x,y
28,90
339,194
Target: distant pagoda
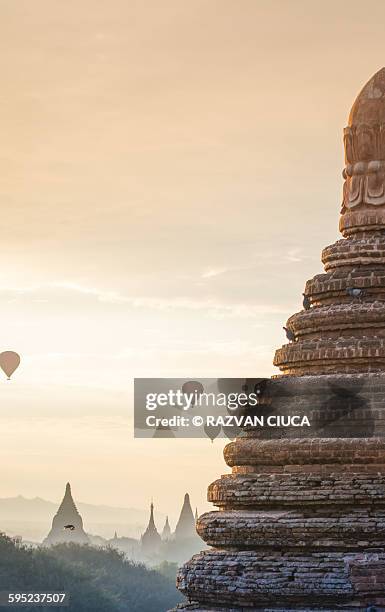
x,y
300,523
150,540
67,524
166,533
185,527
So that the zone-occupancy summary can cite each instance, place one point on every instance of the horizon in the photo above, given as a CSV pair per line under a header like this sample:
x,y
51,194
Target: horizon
x,y
130,525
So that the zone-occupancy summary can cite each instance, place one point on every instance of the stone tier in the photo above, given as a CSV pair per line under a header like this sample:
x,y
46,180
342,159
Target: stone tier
x,y
364,249
302,487
356,529
340,321
362,219
330,355
305,452
330,288
255,580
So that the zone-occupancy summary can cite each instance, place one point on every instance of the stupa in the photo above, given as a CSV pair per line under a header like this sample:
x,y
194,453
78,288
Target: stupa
x,y
300,523
67,524
150,540
166,533
185,527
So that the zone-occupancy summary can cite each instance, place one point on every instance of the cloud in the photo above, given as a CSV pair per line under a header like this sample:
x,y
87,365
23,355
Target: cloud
x,y
294,255
211,307
211,272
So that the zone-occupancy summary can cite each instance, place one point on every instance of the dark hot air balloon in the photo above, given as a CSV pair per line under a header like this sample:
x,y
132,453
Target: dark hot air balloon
x,y
9,362
193,388
212,431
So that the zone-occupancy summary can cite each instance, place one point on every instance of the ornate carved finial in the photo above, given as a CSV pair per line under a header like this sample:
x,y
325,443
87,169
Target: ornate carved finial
x,y
369,107
364,174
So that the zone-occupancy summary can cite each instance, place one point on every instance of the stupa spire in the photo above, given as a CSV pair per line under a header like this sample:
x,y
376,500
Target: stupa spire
x,y
166,533
151,522
185,527
67,503
150,539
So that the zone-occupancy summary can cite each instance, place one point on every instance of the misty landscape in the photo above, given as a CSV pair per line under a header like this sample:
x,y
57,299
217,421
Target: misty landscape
x,y
30,518
95,580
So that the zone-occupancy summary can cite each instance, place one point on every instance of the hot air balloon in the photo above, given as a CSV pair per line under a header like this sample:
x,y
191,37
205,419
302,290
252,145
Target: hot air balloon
x,y
212,431
9,362
194,388
231,431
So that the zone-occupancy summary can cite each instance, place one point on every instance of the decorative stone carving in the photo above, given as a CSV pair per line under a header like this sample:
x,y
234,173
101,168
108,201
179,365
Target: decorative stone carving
x,y
365,171
364,174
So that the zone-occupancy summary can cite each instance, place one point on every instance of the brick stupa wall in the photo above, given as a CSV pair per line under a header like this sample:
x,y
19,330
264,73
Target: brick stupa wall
x,y
300,523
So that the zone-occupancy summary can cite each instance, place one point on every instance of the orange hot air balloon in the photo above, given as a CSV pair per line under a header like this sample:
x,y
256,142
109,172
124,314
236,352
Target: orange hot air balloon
x,y
9,361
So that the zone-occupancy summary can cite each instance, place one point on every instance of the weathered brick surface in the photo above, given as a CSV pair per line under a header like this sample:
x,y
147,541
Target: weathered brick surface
x,y
340,321
368,577
311,529
247,578
328,355
331,287
269,490
305,451
358,250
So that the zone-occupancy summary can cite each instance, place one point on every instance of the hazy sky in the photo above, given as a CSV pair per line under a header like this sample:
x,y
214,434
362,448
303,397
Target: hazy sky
x,y
169,172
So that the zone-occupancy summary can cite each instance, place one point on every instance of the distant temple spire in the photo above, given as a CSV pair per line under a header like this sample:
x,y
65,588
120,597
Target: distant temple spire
x,y
151,522
166,533
185,527
150,539
66,515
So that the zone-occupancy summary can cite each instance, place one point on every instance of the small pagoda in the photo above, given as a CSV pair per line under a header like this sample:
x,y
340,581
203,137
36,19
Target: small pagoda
x,y
185,527
150,540
67,524
300,523
166,533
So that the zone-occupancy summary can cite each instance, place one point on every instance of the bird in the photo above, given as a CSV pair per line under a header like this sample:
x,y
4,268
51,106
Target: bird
x,y
70,527
289,334
306,302
355,292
